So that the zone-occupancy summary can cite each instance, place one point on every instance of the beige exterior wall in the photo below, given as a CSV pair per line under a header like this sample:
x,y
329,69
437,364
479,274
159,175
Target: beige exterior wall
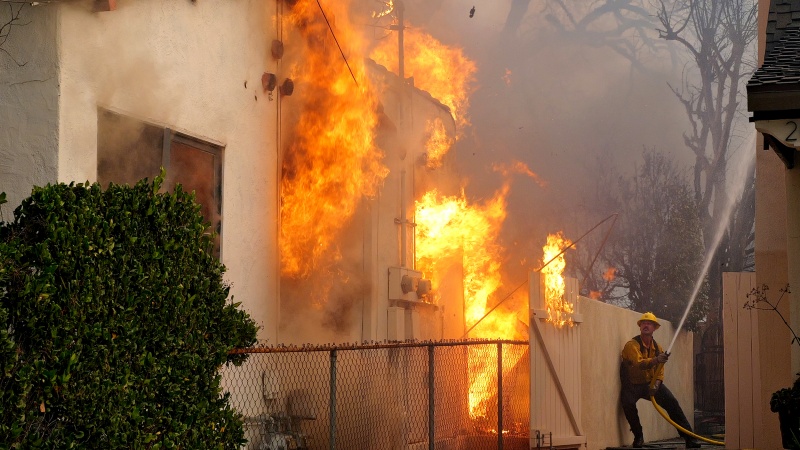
x,y
184,65
777,231
604,331
793,256
772,270
29,102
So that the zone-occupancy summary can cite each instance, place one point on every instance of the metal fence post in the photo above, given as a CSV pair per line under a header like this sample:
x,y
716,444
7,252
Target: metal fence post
x,y
332,400
500,396
431,433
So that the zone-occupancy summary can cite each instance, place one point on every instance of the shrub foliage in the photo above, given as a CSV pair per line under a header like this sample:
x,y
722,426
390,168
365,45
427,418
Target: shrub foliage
x,y
114,322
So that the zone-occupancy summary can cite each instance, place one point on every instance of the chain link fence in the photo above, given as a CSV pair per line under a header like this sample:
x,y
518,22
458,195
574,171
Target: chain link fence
x,y
432,395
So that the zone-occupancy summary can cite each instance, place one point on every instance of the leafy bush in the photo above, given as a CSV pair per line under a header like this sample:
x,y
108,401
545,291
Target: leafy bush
x,y
120,321
787,400
15,377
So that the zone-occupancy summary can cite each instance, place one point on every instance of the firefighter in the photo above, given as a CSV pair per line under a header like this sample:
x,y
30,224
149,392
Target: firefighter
x,y
642,362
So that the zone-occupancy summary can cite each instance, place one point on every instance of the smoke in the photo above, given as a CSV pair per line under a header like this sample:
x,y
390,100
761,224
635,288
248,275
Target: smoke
x,y
552,104
540,102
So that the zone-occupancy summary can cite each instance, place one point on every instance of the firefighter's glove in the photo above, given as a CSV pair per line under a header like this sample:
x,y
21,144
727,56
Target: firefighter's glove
x,y
654,388
662,358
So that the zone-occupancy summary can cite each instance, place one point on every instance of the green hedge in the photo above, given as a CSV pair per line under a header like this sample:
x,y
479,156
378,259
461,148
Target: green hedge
x,y
119,321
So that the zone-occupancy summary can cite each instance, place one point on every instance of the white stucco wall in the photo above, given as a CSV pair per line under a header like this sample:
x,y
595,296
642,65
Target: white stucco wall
x,y
28,104
184,65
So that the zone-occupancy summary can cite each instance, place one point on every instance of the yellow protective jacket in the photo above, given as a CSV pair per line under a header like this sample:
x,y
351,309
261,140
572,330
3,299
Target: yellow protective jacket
x,y
638,361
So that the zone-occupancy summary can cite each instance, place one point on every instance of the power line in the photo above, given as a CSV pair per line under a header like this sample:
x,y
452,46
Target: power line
x,y
337,42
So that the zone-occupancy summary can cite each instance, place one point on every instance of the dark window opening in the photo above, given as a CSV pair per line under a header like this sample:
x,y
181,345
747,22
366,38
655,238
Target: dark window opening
x,y
129,150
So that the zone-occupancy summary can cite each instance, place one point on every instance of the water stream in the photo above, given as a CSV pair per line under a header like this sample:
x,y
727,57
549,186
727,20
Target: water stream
x,y
736,187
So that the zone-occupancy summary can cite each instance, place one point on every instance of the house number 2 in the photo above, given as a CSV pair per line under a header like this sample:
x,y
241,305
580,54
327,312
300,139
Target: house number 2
x,y
792,136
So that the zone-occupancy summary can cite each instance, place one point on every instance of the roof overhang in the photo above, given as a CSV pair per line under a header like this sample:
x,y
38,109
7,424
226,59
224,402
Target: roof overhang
x,y
773,102
781,130
776,114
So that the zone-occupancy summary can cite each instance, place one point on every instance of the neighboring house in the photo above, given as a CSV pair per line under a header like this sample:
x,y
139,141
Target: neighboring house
x,y
111,91
773,97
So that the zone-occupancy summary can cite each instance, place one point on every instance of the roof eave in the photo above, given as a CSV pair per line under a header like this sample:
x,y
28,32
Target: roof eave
x,y
773,100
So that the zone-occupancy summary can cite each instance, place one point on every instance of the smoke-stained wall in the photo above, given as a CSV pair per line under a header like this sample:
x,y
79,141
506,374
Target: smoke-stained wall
x,y
193,68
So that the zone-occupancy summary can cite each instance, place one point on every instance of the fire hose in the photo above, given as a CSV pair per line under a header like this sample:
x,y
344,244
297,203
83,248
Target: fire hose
x,y
666,416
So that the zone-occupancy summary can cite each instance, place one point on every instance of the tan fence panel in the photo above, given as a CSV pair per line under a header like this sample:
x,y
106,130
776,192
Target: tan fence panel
x,y
742,378
555,372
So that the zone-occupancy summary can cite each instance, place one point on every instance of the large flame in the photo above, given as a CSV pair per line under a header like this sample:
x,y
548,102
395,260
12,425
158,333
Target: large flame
x,y
559,310
443,71
438,143
332,160
449,227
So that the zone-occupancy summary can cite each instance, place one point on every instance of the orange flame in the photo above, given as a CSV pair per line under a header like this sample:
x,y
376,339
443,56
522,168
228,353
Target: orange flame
x,y
507,77
331,160
439,142
449,227
483,376
444,72
518,167
610,274
388,7
558,308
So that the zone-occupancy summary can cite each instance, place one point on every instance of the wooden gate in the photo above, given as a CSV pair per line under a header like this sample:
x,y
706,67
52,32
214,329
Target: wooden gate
x,y
555,372
742,362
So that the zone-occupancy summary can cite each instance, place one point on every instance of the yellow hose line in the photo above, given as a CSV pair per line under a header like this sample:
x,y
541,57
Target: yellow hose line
x,y
664,414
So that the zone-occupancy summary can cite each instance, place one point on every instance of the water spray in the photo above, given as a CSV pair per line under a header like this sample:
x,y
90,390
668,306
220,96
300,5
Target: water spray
x,y
717,238
722,225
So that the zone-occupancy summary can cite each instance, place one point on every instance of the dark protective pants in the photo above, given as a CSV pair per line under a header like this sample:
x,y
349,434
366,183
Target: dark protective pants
x,y
631,393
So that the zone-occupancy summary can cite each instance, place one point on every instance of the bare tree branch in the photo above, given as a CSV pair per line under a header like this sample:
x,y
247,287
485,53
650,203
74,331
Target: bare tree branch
x,y
716,39
14,20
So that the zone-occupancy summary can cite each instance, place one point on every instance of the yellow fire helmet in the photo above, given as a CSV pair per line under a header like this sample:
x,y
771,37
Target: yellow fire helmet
x,y
649,316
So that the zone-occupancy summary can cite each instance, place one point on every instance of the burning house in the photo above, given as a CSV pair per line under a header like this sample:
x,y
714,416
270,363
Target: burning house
x,y
321,155
308,159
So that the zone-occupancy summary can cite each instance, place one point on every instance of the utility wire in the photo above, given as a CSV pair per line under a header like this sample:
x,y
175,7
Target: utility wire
x,y
602,244
337,43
